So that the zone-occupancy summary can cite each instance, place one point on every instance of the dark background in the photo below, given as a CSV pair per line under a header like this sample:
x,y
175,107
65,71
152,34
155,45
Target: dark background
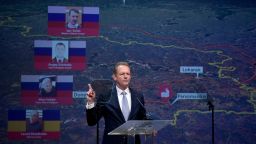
x,y
156,38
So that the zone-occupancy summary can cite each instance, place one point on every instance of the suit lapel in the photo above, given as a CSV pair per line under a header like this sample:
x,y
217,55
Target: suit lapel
x,y
115,104
134,103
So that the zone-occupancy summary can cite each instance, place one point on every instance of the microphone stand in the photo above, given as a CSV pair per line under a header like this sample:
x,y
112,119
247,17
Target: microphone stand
x,y
101,87
98,107
97,126
211,107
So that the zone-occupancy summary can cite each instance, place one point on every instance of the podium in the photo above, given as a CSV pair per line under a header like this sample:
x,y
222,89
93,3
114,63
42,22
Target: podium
x,y
140,127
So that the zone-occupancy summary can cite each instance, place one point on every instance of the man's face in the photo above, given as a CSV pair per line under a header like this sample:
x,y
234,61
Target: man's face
x,y
60,51
73,17
48,86
35,118
122,76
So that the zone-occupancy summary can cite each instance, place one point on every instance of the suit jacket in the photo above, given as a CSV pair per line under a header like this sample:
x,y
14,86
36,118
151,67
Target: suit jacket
x,y
113,116
54,60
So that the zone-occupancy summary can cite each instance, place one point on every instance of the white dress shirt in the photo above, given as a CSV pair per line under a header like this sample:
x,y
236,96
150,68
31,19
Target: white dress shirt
x,y
60,60
120,97
73,26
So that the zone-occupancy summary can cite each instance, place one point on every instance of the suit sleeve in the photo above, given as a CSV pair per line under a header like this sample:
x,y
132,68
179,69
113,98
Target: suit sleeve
x,y
94,114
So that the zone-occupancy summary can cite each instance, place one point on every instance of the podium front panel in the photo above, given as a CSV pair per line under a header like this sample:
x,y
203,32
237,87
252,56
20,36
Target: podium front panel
x,y
140,127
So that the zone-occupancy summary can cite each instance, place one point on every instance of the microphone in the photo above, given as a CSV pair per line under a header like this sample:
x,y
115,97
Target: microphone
x,y
148,116
210,102
140,103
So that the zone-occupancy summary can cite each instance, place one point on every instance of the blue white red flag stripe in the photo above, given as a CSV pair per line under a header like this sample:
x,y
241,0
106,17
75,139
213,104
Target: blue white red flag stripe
x,y
48,44
43,55
57,21
35,78
64,78
30,89
34,94
35,86
91,10
61,26
30,86
53,17
62,9
44,51
76,60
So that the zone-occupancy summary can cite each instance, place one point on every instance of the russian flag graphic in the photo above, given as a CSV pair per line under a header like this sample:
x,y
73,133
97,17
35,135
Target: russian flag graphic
x,y
46,89
33,124
86,21
72,54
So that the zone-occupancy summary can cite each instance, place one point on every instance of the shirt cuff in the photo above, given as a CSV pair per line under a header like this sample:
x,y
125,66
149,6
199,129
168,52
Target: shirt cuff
x,y
90,106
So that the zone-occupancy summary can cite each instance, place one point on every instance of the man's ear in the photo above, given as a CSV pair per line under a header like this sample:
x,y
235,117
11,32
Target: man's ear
x,y
114,77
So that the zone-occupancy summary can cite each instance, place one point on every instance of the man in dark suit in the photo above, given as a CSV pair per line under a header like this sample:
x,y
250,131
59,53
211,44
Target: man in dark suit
x,y
123,104
60,50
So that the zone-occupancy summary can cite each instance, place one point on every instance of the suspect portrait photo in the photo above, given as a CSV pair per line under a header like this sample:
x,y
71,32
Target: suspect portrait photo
x,y
34,120
60,51
47,86
73,18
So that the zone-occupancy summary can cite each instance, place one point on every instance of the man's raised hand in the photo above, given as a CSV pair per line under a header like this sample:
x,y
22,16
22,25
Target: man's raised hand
x,y
90,95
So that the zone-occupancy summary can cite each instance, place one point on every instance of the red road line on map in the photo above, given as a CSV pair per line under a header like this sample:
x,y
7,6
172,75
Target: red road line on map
x,y
250,79
177,81
250,61
183,80
159,102
155,84
189,43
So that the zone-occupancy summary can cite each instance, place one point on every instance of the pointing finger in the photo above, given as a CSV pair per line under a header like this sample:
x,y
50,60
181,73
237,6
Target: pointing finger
x,y
90,87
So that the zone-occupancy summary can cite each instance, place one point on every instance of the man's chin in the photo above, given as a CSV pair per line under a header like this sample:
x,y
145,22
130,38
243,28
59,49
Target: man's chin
x,y
125,84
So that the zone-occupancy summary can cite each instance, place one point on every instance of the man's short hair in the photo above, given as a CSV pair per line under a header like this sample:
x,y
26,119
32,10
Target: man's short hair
x,y
60,44
118,64
74,10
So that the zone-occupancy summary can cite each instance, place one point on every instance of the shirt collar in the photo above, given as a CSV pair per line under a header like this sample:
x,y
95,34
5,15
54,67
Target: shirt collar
x,y
60,59
119,91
